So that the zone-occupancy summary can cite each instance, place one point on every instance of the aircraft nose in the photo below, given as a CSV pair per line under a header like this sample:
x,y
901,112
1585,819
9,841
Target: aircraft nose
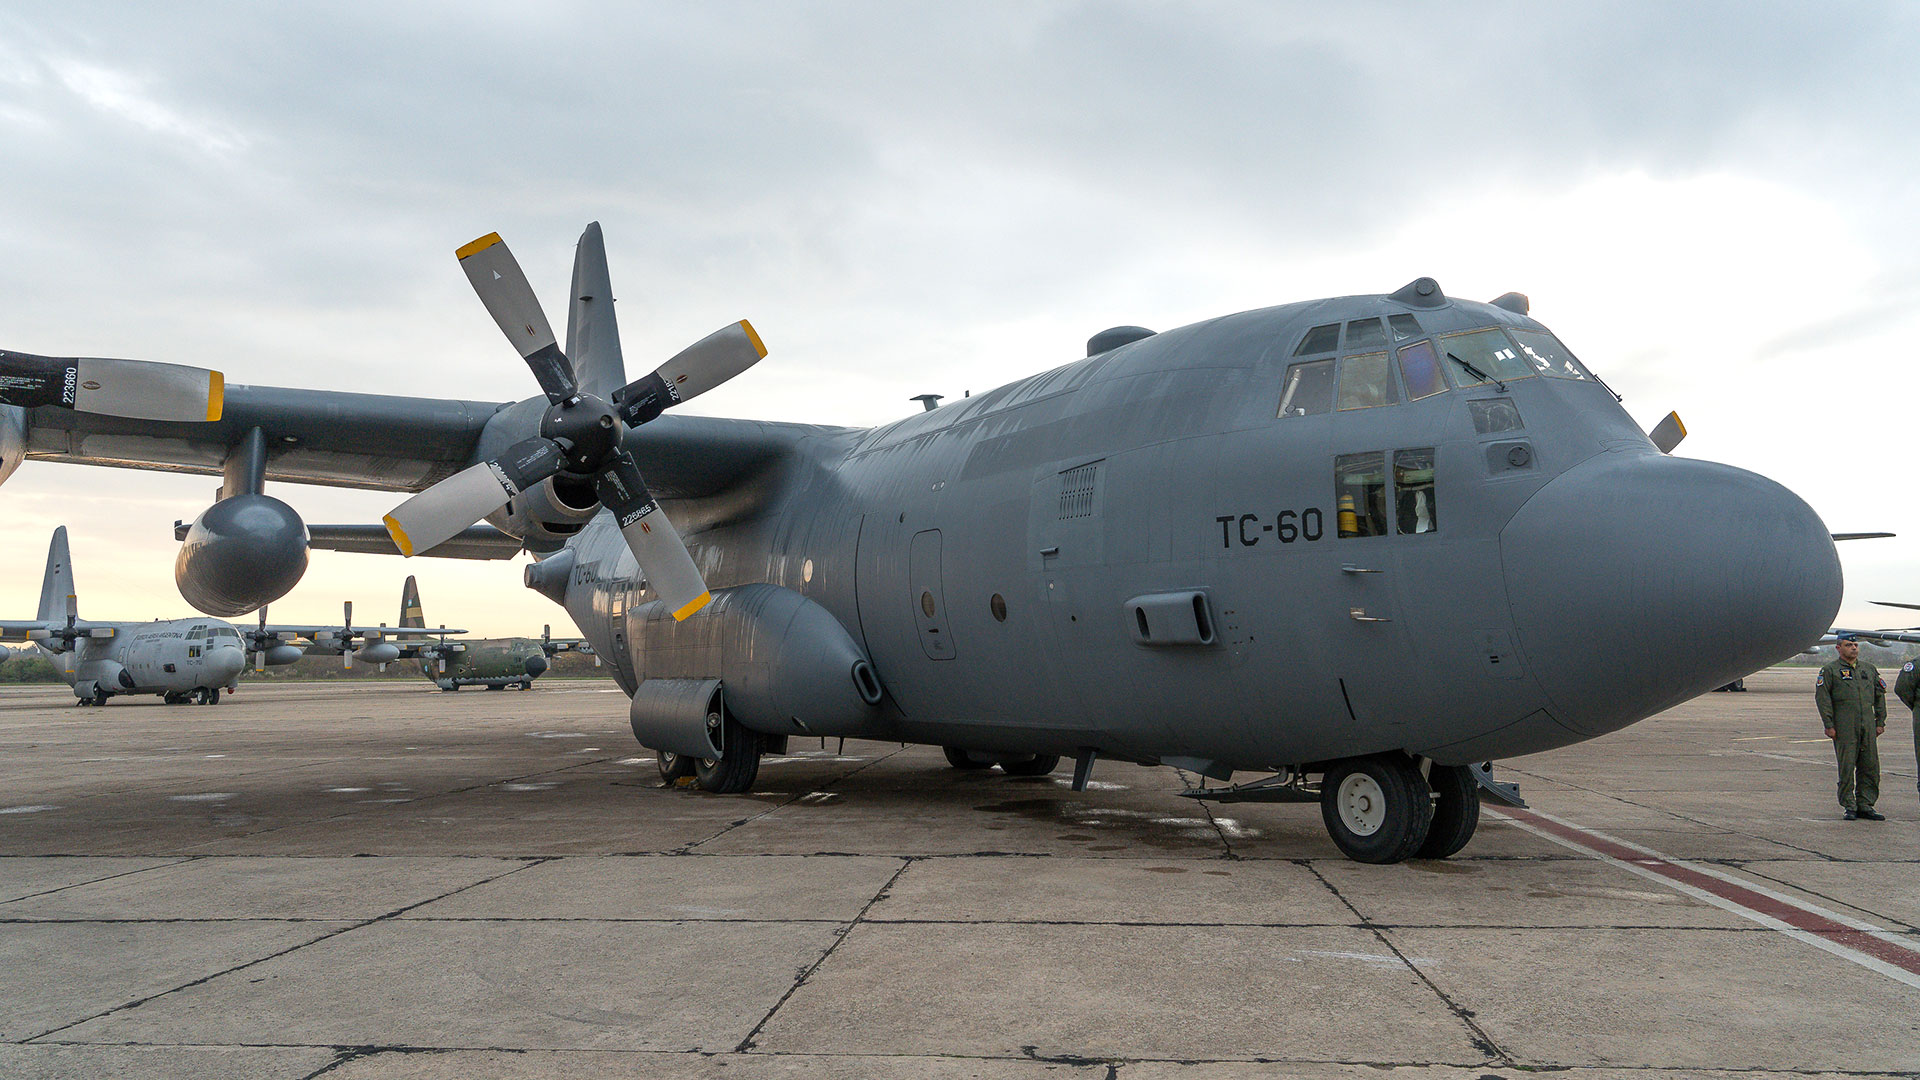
x,y
1639,581
225,662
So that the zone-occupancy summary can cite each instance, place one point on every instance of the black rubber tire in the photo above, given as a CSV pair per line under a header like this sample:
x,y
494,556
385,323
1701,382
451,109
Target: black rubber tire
x,y
1456,811
213,695
960,759
734,773
673,767
497,686
1404,810
99,697
170,698
1037,765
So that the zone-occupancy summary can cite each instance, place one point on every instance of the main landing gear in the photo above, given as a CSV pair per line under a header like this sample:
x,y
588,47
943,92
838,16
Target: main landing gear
x,y
730,774
1381,809
1011,764
199,695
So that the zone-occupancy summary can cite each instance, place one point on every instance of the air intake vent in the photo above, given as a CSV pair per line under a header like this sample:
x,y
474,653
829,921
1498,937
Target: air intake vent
x,y
1076,491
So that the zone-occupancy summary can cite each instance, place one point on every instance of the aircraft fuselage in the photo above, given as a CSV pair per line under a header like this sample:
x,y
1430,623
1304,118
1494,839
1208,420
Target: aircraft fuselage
x,y
1139,553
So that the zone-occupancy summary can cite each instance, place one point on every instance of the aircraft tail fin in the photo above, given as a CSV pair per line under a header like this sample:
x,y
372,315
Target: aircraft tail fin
x,y
56,588
593,336
411,613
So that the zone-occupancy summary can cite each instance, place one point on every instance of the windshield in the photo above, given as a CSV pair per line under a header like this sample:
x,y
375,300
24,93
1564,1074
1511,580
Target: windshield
x,y
1478,357
1548,356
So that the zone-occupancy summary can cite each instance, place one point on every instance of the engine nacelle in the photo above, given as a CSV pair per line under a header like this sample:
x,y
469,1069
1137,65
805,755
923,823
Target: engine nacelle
x,y
6,654
282,655
549,513
380,652
13,439
242,552
787,665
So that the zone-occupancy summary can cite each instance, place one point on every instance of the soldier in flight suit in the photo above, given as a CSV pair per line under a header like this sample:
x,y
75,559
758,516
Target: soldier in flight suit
x,y
1853,708
1907,689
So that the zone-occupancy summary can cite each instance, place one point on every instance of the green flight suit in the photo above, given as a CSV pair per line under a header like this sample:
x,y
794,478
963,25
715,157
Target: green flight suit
x,y
1852,699
1907,689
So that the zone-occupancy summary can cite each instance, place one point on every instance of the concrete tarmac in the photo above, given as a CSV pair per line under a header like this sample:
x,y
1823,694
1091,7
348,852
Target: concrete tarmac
x,y
379,880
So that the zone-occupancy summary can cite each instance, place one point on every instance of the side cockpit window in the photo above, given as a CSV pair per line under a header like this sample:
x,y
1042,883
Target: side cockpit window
x,y
1308,390
1413,490
1360,493
1404,327
1367,506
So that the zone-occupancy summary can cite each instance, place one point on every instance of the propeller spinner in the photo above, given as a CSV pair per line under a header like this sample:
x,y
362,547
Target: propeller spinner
x,y
580,433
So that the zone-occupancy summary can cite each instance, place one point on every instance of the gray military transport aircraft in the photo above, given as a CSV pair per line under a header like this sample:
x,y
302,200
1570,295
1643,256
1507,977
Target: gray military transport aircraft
x,y
1359,544
182,660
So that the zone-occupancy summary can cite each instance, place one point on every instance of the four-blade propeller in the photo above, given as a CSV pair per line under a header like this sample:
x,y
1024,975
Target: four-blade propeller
x,y
142,389
580,434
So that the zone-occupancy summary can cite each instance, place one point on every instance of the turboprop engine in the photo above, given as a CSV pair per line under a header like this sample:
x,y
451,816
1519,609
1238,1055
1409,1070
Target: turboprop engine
x,y
379,652
243,552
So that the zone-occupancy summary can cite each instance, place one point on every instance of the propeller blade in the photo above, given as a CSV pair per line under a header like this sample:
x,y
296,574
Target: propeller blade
x,y
141,389
1668,432
695,370
437,514
655,543
503,288
259,660
346,610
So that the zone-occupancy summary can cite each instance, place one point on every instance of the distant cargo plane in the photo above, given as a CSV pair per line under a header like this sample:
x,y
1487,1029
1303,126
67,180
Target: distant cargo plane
x,y
442,661
1359,544
181,660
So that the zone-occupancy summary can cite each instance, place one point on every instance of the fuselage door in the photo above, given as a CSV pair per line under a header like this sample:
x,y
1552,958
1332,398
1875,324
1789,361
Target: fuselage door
x,y
928,595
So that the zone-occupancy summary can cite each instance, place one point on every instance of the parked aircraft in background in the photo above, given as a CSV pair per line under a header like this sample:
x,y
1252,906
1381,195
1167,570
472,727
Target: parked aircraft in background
x,y
181,660
447,665
1357,543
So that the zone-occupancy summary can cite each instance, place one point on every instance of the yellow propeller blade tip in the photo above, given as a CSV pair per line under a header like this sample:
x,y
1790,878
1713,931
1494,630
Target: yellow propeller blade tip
x,y
477,246
399,535
216,395
754,336
693,605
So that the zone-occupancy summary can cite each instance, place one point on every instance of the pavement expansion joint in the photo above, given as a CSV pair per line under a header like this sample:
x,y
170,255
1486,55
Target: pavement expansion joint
x,y
1481,1038
688,848
136,1003
839,937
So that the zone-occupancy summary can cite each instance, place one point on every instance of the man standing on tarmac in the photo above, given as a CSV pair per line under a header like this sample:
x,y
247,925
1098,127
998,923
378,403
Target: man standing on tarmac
x,y
1853,708
1907,689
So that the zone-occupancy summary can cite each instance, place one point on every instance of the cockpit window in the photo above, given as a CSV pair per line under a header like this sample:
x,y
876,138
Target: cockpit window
x,y
1366,334
1420,367
1360,493
1320,339
1404,327
1548,356
1308,389
1478,357
1367,381
1413,490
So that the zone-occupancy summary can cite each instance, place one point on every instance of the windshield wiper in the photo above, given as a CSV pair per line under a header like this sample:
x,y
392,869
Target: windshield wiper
x,y
1477,373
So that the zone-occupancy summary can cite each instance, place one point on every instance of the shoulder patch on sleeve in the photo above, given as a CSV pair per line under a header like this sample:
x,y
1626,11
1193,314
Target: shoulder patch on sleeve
x,y
1820,679
1908,667
1879,682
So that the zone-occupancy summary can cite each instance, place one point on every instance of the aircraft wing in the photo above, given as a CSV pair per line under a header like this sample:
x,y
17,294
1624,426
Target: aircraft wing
x,y
16,629
1878,637
382,443
20,629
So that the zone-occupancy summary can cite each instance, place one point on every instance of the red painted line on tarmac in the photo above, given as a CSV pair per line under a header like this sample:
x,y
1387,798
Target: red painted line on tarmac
x,y
1785,911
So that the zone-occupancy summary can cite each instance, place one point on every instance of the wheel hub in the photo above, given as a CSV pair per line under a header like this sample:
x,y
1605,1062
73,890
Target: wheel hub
x,y
1363,806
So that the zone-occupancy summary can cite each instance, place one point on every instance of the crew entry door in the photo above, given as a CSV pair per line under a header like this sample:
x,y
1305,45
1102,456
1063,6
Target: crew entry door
x,y
928,595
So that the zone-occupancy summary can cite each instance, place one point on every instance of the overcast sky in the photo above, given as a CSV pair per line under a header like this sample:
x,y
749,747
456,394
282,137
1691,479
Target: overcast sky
x,y
1713,204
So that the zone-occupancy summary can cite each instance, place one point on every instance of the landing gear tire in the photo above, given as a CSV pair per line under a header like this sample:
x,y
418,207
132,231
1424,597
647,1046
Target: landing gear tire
x,y
960,759
213,696
171,698
99,697
1377,808
1456,811
734,773
673,767
1037,765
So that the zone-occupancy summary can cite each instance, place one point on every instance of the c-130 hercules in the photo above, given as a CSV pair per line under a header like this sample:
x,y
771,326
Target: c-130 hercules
x,y
1369,540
